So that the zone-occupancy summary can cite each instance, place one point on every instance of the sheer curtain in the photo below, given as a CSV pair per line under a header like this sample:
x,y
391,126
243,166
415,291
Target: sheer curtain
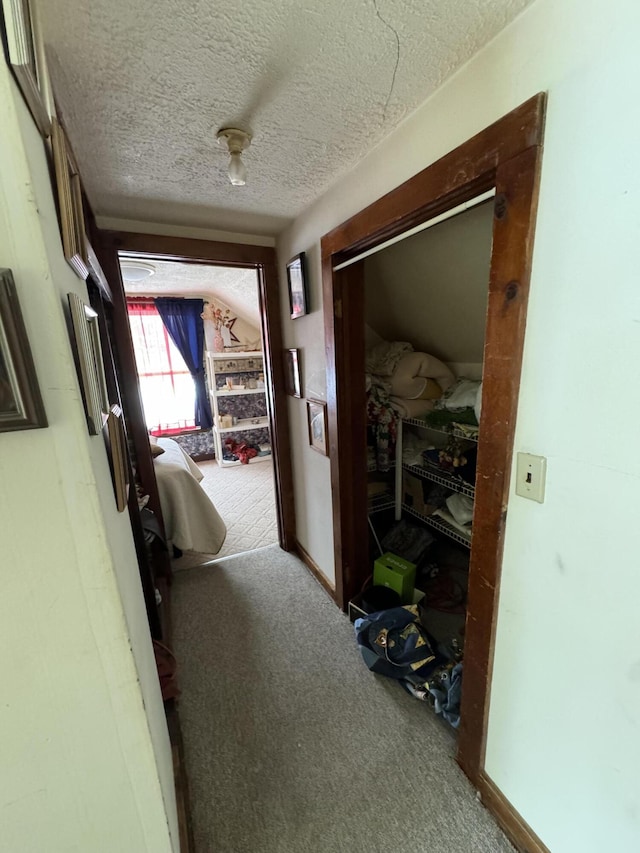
x,y
168,391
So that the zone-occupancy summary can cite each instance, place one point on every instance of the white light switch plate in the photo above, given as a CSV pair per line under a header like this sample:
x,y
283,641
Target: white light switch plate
x,y
531,473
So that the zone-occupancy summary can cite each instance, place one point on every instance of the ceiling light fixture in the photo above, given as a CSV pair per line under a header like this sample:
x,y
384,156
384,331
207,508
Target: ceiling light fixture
x,y
135,271
236,141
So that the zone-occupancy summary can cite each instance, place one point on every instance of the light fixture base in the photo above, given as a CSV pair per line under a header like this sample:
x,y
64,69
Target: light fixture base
x,y
236,140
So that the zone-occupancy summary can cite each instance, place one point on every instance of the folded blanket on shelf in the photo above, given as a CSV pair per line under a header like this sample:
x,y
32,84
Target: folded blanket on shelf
x,y
412,373
411,408
462,395
443,417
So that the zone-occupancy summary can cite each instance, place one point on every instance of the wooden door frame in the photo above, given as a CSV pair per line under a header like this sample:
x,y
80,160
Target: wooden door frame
x,y
507,156
262,259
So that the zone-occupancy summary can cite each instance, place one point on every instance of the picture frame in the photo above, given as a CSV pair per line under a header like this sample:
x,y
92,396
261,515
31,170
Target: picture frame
x,y
317,425
69,188
297,284
118,456
294,385
21,405
90,365
25,57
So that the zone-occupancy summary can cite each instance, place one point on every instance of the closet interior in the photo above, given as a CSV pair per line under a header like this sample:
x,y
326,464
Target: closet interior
x,y
425,315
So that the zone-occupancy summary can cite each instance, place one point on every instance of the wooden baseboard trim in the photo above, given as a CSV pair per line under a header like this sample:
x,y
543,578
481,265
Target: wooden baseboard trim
x,y
185,828
313,567
514,826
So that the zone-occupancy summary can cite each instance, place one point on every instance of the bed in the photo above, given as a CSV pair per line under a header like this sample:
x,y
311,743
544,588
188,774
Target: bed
x,y
191,521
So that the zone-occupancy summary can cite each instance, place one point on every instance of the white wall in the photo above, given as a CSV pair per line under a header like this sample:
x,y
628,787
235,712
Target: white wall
x,y
564,736
86,761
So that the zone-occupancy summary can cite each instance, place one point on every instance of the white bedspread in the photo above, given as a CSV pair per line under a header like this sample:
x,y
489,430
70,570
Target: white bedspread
x,y
191,521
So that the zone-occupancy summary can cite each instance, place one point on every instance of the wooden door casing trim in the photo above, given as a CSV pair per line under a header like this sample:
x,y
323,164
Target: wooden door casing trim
x,y
507,156
215,253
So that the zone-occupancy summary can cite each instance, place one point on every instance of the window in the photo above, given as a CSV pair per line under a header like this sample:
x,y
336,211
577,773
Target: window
x,y
167,389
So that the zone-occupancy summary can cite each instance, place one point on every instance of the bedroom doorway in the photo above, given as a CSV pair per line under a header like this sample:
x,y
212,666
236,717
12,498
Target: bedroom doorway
x,y
184,317
261,262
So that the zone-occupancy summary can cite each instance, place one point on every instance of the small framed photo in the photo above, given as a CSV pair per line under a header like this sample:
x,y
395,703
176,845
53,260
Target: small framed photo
x,y
317,422
89,363
294,387
297,281
117,449
20,401
25,55
74,238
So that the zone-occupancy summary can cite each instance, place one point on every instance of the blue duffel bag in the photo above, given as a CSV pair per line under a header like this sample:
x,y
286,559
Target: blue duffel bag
x,y
394,643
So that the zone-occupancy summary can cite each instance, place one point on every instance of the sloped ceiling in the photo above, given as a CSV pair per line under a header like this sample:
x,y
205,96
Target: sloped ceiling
x,y
431,289
236,288
143,87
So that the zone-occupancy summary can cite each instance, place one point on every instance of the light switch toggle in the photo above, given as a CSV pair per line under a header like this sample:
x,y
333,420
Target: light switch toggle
x,y
531,473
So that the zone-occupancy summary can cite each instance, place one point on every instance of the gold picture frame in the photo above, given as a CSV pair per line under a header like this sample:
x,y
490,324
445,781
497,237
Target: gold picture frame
x,y
118,455
26,58
69,186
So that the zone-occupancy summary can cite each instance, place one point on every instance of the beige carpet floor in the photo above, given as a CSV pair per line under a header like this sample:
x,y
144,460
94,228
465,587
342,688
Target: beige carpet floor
x,y
291,744
244,497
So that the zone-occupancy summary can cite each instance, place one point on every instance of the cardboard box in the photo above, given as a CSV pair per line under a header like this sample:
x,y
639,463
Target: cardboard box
x,y
413,491
396,573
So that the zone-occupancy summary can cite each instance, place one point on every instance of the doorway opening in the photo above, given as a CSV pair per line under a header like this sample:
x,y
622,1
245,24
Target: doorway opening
x,y
198,346
425,307
506,157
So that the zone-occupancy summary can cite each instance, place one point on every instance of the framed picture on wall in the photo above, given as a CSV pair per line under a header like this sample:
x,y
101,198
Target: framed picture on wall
x,y
294,386
297,281
317,423
89,363
117,450
69,188
26,58
20,401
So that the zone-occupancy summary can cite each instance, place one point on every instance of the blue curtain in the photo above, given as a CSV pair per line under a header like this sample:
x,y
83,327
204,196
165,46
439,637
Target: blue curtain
x,y
182,321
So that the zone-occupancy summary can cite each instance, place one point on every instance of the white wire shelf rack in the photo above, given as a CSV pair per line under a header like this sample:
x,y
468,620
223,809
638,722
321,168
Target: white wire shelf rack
x,y
458,432
441,525
380,503
437,475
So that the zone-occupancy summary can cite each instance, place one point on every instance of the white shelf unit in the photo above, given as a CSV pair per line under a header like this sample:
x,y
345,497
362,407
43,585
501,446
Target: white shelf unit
x,y
233,364
436,475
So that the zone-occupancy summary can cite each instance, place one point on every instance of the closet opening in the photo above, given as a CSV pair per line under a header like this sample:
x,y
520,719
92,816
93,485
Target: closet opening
x,y
425,308
200,361
504,157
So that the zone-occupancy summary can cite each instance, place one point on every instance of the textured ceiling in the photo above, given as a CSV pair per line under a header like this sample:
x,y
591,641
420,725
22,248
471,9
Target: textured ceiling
x,y
237,288
143,86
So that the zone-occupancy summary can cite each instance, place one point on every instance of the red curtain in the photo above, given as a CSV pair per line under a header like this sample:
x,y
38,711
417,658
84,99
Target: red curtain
x,y
167,389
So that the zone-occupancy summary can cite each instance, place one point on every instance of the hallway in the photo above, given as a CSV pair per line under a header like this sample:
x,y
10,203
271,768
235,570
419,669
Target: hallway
x,y
291,744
